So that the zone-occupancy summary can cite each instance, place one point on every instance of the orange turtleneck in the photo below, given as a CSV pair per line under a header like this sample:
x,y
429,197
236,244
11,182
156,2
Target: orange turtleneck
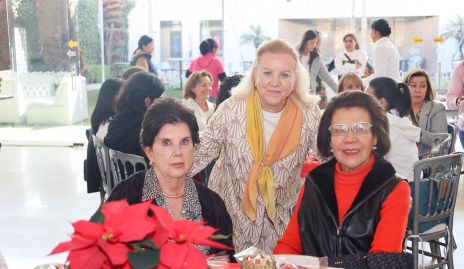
x,y
393,214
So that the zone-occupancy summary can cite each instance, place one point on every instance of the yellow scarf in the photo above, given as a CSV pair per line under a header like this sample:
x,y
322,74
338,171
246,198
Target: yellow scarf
x,y
284,141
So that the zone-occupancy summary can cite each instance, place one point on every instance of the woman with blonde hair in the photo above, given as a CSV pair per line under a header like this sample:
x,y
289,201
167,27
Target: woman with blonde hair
x,y
196,92
260,137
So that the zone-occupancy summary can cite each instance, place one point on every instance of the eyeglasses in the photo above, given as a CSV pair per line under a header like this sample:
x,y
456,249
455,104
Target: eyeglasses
x,y
343,129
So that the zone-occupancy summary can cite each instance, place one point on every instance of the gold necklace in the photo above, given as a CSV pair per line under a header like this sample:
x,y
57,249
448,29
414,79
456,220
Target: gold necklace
x,y
173,196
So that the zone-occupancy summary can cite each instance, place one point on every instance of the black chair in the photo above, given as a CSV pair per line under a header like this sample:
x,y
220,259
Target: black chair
x,y
434,200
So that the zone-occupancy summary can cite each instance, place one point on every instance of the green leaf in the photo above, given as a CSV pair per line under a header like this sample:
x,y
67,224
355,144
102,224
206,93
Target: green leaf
x,y
144,259
142,245
98,217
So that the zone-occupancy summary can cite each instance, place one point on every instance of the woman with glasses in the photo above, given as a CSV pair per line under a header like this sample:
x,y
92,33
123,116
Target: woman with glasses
x,y
353,203
404,131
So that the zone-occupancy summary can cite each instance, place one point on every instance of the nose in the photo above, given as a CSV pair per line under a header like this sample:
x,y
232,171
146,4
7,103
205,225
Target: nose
x,y
275,80
176,150
350,136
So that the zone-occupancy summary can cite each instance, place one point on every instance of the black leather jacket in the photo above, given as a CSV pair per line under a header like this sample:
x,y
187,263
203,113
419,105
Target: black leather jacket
x,y
320,231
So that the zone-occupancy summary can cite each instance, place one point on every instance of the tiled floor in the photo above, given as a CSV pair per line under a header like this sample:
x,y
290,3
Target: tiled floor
x,y
42,190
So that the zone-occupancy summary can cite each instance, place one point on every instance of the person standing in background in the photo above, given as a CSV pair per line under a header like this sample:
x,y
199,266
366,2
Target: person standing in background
x,y
385,55
455,96
142,55
196,92
209,62
352,59
311,61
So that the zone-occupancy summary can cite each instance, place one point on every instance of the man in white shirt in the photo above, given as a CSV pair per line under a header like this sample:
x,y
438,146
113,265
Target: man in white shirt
x,y
385,56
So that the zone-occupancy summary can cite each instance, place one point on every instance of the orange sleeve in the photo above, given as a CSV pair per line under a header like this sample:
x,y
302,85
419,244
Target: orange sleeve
x,y
290,242
391,228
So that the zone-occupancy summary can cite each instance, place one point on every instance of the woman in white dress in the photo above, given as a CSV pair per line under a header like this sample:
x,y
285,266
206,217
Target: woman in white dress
x,y
196,92
352,59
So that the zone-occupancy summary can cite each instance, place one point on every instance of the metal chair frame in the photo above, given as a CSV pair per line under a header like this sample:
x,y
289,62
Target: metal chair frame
x,y
124,164
103,160
443,181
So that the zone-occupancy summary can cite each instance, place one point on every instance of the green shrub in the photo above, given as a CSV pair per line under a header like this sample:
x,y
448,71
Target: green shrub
x,y
92,72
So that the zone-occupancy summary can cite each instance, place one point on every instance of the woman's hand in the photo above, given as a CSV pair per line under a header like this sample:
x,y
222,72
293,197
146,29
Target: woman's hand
x,y
459,101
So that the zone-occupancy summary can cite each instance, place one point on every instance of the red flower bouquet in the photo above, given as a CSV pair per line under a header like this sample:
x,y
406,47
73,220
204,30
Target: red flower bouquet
x,y
142,235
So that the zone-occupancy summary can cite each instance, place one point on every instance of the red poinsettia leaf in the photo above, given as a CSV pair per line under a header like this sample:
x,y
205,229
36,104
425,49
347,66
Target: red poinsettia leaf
x,y
132,223
62,247
202,236
77,242
113,207
183,230
163,217
88,229
116,252
89,258
195,259
173,255
159,237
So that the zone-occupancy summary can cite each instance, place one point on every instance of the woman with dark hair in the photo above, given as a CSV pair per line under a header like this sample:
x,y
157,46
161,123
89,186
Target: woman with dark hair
x,y
196,92
353,203
385,55
430,115
396,100
226,87
99,121
209,62
133,100
352,59
312,61
168,138
142,55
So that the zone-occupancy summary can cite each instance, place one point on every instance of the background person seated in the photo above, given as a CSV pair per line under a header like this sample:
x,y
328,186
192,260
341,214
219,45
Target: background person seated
x,y
354,203
99,121
430,115
169,135
135,96
395,98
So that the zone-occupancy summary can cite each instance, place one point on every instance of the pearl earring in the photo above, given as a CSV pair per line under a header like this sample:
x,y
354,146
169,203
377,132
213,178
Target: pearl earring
x,y
374,147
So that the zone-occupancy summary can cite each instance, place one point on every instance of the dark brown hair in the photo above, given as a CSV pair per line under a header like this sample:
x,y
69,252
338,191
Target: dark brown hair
x,y
192,82
353,37
349,99
420,73
162,112
349,76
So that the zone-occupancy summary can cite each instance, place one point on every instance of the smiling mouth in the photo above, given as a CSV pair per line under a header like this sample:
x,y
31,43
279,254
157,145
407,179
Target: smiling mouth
x,y
351,151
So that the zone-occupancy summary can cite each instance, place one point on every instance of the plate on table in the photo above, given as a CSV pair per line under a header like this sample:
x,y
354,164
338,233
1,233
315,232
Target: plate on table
x,y
306,262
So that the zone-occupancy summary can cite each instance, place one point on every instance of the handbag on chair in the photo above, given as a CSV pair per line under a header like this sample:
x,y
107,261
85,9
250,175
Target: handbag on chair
x,y
377,260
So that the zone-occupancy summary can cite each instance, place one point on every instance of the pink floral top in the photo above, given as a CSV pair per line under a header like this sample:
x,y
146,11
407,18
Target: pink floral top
x,y
456,90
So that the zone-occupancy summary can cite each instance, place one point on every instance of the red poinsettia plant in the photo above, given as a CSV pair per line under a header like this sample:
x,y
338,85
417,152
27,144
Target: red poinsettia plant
x,y
142,235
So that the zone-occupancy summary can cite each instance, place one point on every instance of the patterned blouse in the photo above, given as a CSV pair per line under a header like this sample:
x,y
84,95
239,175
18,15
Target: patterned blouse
x,y
225,139
191,209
